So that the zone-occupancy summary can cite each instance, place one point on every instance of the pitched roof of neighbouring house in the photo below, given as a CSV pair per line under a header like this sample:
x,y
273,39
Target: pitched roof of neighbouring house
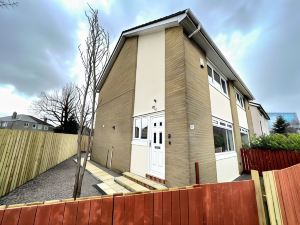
x,y
194,30
25,118
261,109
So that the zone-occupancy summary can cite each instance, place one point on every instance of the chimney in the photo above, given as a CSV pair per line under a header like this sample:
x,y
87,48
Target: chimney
x,y
14,115
45,119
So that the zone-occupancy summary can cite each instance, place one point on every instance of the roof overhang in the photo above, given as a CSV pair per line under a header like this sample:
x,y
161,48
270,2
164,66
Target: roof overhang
x,y
260,108
193,28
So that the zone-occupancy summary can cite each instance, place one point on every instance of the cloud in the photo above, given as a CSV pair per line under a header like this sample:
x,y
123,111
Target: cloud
x,y
11,101
37,45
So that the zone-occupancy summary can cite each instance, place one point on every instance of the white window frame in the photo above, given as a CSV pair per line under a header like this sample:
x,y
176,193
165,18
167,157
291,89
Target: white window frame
x,y
216,122
4,124
139,140
214,83
241,97
26,124
34,126
245,131
40,127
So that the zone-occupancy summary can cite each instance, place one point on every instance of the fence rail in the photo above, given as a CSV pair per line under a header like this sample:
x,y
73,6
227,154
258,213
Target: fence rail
x,y
265,160
26,154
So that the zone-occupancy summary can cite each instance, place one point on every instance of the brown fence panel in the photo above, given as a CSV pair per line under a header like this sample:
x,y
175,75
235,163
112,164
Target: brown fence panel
x,y
215,204
265,160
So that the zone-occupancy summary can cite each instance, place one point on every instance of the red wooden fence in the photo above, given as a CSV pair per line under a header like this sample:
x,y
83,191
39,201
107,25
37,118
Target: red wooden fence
x,y
227,203
265,160
288,191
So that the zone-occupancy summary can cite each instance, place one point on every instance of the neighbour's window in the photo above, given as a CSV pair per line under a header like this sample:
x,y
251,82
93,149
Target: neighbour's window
x,y
240,100
33,126
39,127
140,128
26,124
223,136
4,124
245,137
45,128
217,80
144,134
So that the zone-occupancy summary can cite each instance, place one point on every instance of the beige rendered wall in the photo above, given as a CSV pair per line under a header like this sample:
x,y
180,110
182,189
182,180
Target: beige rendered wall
x,y
149,85
220,105
201,145
150,74
242,117
113,128
177,152
260,124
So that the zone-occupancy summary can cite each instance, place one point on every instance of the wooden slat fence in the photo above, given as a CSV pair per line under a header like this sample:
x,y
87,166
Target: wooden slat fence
x,y
26,154
212,204
283,195
265,160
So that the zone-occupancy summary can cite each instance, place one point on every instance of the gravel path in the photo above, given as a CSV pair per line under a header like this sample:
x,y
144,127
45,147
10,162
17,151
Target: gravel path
x,y
56,183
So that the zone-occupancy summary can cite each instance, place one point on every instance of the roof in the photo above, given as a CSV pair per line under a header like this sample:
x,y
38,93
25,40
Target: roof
x,y
25,118
261,109
195,31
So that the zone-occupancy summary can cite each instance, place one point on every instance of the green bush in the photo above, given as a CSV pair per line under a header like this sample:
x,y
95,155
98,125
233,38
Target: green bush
x,y
276,142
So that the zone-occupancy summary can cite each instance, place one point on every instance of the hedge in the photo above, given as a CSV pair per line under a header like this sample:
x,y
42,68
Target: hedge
x,y
276,142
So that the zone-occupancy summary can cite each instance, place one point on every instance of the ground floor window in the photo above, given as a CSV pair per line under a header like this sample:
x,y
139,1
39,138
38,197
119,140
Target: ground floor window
x,y
245,137
223,136
140,127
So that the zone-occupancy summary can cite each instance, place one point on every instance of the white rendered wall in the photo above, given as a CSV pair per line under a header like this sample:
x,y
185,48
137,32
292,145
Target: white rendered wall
x,y
242,117
260,124
220,105
227,167
139,159
150,74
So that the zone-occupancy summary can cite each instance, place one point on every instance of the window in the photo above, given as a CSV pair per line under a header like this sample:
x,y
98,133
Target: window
x,y
4,124
217,80
223,136
26,124
144,134
45,128
137,127
210,79
33,126
141,128
39,127
244,137
240,100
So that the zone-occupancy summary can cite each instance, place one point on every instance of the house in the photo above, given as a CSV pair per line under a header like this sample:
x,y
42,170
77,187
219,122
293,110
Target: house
x,y
260,119
24,122
168,98
289,117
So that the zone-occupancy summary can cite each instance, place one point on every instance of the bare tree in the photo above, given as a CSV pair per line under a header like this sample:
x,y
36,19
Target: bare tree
x,y
94,57
58,105
8,3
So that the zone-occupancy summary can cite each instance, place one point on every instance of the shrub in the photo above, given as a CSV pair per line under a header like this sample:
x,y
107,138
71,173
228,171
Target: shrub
x,y
276,142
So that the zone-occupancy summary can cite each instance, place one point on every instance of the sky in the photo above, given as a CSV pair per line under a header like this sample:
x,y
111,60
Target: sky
x,y
39,40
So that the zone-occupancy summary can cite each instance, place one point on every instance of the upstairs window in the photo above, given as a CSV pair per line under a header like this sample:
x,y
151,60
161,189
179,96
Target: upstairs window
x,y
217,80
240,100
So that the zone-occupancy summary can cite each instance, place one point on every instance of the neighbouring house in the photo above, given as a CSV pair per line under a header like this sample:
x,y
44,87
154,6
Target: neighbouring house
x,y
24,122
290,117
260,119
168,98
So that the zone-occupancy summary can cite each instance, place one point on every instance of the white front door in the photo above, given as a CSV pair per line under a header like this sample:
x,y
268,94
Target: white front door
x,y
157,149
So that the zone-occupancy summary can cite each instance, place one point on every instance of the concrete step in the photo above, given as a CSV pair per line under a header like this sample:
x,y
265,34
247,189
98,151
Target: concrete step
x,y
144,181
130,185
110,187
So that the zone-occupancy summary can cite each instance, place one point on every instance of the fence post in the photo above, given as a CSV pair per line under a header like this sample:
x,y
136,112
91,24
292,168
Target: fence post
x,y
197,173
